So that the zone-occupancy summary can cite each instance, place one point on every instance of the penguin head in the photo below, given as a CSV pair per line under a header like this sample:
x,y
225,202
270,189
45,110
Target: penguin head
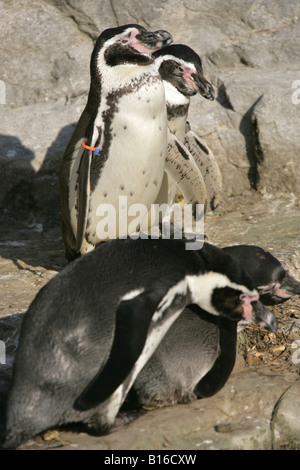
x,y
227,290
273,282
278,292
215,293
239,304
180,66
128,44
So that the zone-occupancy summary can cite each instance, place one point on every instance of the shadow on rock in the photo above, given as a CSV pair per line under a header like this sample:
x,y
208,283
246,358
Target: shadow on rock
x,y
30,209
249,130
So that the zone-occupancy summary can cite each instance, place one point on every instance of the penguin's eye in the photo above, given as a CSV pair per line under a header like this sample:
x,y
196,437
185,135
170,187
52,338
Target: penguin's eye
x,y
126,39
181,69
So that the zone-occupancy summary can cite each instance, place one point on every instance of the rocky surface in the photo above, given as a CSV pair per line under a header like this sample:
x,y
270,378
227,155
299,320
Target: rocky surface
x,y
249,50
250,53
259,406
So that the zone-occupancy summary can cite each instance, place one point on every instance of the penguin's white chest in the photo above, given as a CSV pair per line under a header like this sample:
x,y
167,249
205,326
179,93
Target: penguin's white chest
x,y
137,151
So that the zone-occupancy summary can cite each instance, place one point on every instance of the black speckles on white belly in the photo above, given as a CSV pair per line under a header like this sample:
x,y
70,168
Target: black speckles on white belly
x,y
177,111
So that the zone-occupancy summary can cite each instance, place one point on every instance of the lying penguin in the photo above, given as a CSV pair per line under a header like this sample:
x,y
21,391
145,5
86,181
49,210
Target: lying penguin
x,y
187,353
119,145
273,282
92,328
197,355
181,70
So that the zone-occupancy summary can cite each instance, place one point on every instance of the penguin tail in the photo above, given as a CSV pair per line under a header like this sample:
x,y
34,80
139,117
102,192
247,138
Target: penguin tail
x,y
11,442
23,421
15,436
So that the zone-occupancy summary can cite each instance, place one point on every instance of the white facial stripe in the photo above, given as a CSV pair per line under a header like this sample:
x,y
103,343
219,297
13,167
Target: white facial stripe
x,y
132,31
202,287
114,76
132,294
162,58
178,289
189,70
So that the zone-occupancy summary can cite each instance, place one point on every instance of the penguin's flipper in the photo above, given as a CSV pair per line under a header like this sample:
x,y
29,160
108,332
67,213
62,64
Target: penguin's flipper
x,y
181,166
218,375
133,318
208,165
83,196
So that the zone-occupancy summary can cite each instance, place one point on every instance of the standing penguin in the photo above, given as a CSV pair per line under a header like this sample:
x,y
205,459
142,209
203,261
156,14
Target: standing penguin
x,y
90,331
197,355
119,145
182,73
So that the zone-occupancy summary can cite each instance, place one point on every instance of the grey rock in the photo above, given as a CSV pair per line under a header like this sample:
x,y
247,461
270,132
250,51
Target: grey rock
x,y
250,53
267,50
285,424
240,415
249,49
253,128
46,57
277,120
30,154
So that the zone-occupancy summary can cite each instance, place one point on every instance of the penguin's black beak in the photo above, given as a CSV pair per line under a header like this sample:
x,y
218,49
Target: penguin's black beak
x,y
262,316
203,86
154,40
289,287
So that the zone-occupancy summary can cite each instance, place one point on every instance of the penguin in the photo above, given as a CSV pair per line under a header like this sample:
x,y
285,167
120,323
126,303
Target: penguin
x,y
181,70
198,353
92,328
119,145
185,365
273,282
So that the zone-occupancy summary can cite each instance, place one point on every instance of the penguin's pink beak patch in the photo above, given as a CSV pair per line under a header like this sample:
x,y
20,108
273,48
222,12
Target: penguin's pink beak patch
x,y
148,42
246,305
255,311
277,290
138,46
189,79
282,293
